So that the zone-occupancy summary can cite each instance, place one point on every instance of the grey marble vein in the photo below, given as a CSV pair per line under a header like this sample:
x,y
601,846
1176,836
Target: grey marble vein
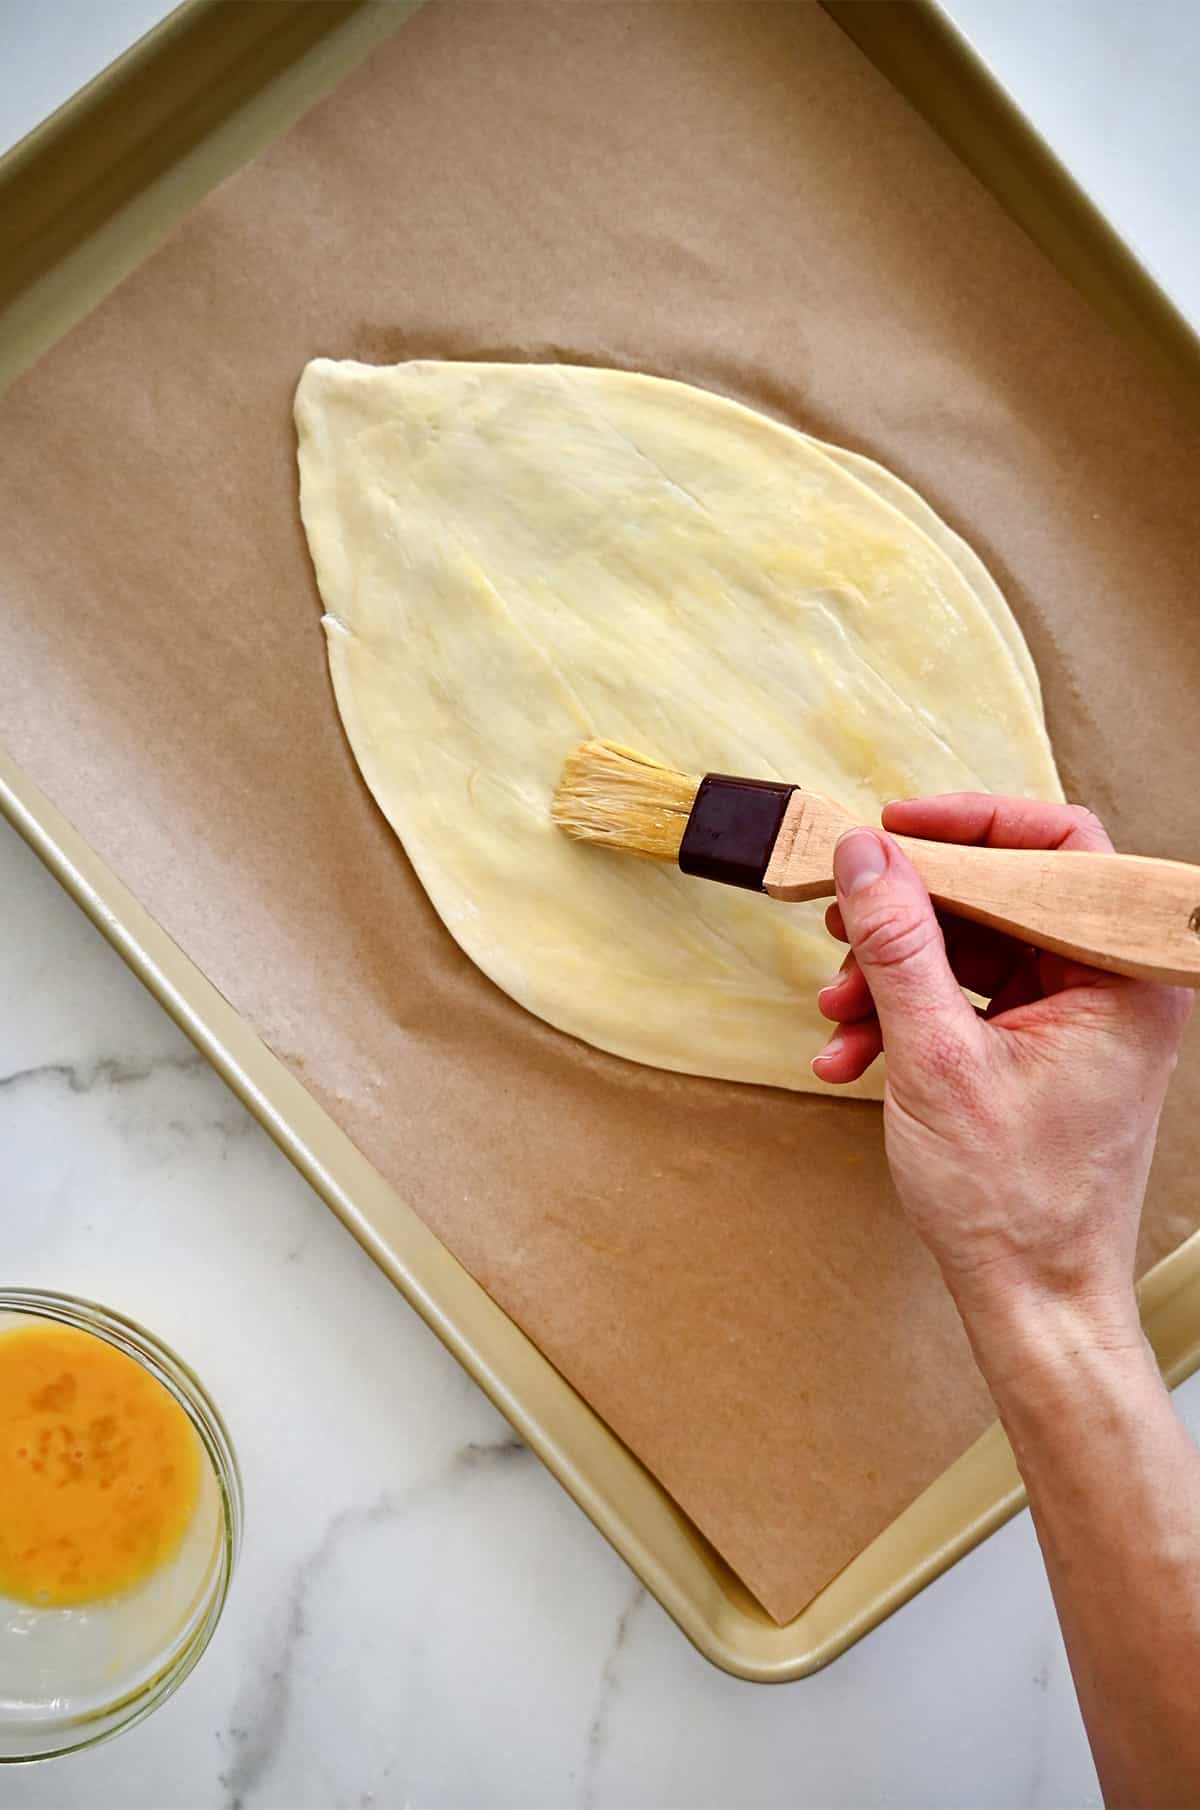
x,y
126,1090
257,1730
610,1685
106,1071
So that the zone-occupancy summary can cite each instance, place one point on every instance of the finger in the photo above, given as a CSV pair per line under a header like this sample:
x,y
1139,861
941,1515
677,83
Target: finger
x,y
1135,1011
898,941
1058,974
996,822
1045,975
982,960
848,996
1021,989
849,1052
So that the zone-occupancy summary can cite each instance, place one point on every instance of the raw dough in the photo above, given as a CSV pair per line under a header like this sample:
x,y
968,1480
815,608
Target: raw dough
x,y
893,490
515,557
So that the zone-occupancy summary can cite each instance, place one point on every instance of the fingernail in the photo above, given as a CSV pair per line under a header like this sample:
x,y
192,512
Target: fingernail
x,y
832,1048
837,980
858,859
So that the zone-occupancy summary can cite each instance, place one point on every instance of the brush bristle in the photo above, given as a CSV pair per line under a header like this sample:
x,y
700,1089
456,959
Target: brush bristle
x,y
617,797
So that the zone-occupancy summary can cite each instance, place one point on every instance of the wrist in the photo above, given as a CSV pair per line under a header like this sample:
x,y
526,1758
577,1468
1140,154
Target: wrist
x,y
1023,1334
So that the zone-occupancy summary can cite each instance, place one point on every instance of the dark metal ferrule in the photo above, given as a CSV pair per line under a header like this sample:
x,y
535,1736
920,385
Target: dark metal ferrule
x,y
732,829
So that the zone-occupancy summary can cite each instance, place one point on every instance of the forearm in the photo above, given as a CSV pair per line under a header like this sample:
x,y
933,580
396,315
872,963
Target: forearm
x,y
1114,1487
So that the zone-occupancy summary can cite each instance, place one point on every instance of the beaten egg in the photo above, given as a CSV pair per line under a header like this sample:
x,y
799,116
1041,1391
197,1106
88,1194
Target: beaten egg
x,y
100,1468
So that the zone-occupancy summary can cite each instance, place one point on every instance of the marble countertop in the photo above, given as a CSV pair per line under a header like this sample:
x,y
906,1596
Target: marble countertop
x,y
421,1616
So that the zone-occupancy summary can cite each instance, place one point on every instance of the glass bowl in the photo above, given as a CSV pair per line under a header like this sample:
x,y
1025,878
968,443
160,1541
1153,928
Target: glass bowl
x,y
70,1677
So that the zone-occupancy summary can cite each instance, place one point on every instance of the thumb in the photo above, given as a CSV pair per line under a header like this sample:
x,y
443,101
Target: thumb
x,y
898,942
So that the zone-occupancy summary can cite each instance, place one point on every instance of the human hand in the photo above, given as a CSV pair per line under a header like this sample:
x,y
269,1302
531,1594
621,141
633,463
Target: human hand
x,y
1019,1138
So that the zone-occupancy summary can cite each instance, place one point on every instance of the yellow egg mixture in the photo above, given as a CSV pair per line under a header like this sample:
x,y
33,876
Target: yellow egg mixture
x,y
100,1468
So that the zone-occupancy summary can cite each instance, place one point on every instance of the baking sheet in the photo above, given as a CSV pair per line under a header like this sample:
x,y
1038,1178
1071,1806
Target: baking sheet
x,y
571,182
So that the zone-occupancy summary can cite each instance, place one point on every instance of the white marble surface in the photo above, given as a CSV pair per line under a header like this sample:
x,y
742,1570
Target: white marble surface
x,y
1112,85
421,1617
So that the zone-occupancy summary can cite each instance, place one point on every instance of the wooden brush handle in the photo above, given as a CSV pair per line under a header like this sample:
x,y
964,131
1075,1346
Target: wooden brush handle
x,y
1130,914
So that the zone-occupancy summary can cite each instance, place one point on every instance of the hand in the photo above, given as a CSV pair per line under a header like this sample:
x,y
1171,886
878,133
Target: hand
x,y
1019,1138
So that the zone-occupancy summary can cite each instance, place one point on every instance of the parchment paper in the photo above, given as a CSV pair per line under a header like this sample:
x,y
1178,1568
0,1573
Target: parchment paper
x,y
727,194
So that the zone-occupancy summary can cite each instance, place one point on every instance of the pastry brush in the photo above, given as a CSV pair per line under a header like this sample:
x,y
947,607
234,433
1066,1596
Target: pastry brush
x,y
1130,914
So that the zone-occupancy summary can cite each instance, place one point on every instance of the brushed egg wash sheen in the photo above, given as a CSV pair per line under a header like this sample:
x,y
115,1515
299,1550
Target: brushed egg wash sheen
x,y
514,559
100,1469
